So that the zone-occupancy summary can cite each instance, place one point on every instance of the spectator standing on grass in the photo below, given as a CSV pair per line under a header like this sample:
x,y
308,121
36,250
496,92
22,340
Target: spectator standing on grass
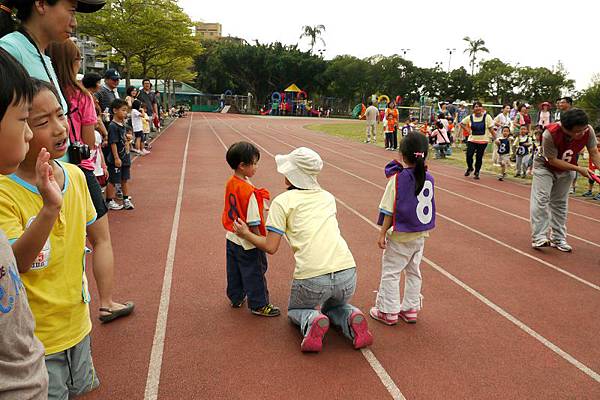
x,y
442,142
480,127
372,117
553,170
66,60
393,111
563,105
545,116
523,144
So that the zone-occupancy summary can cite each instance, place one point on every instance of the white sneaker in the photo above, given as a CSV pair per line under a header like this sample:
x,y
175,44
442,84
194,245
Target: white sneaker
x,y
127,204
562,246
144,152
571,191
538,244
113,205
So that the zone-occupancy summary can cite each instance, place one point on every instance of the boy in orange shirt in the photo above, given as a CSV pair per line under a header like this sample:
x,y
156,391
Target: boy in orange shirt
x,y
246,265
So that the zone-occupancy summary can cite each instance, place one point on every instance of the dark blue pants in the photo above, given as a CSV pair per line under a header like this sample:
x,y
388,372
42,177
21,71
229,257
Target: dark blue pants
x,y
246,271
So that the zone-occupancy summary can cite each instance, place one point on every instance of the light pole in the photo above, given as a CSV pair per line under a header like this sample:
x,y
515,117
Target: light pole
x,y
404,51
450,51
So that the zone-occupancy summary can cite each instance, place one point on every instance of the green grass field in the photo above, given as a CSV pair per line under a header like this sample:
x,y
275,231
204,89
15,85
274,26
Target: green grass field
x,y
356,132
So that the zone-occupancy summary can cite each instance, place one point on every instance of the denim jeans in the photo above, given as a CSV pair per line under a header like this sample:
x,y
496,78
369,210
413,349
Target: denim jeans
x,y
328,294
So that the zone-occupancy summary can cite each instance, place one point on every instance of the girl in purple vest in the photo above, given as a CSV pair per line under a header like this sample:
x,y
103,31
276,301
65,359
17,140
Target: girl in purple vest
x,y
407,214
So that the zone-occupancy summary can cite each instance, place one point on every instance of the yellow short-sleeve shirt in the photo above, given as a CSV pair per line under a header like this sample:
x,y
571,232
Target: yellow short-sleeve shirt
x,y
489,124
56,283
308,220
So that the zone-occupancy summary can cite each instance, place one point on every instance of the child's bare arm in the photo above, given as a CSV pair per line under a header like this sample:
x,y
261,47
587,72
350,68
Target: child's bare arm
x,y
268,244
387,224
31,242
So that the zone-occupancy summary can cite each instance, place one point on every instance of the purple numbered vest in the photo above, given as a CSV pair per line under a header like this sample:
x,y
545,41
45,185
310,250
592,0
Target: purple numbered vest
x,y
411,213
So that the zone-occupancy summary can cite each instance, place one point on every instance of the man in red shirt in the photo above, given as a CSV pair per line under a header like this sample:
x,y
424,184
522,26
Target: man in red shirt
x,y
553,170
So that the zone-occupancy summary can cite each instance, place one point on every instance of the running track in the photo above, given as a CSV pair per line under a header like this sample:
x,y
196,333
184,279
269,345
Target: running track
x,y
500,320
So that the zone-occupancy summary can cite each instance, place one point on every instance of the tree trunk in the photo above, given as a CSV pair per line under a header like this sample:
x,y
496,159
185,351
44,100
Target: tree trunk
x,y
127,71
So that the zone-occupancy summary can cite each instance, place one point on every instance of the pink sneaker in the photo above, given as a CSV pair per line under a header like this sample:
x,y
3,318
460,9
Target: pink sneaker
x,y
386,318
313,342
360,328
408,316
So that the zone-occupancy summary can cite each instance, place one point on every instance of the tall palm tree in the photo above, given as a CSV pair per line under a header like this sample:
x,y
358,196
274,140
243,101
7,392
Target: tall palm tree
x,y
474,47
313,33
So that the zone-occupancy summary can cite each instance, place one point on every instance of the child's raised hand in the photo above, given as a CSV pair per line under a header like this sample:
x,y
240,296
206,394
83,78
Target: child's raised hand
x,y
381,242
240,228
45,182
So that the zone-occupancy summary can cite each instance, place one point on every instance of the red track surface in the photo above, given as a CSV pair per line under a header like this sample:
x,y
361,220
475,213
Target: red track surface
x,y
462,347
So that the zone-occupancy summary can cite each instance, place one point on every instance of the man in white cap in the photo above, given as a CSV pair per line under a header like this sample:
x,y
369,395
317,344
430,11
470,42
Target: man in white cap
x,y
325,273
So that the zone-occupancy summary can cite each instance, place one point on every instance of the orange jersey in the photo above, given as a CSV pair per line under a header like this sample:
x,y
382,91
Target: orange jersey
x,y
237,197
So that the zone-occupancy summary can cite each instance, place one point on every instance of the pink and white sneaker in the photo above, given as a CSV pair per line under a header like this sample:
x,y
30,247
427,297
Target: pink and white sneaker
x,y
360,329
386,318
313,342
408,316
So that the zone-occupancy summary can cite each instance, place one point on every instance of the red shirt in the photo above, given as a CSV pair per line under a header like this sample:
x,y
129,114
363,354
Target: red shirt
x,y
237,197
566,149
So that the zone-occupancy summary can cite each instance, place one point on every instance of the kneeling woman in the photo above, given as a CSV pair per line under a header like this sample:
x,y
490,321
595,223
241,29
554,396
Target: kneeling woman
x,y
325,274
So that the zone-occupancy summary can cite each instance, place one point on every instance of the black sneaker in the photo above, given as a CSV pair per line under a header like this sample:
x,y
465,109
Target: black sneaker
x,y
238,304
267,311
476,175
468,172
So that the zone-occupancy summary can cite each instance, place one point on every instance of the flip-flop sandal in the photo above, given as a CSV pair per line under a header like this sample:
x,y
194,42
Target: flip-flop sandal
x,y
114,314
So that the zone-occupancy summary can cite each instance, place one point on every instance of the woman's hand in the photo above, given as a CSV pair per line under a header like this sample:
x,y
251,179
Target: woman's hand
x,y
240,228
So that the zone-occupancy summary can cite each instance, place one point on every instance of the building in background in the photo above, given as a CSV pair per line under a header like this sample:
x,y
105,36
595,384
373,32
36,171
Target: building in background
x,y
209,30
93,58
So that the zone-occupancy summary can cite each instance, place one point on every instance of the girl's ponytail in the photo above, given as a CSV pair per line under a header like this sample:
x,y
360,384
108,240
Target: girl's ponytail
x,y
414,147
419,172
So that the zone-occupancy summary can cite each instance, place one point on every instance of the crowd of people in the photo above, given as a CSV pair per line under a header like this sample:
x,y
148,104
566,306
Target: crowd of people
x,y
548,150
65,157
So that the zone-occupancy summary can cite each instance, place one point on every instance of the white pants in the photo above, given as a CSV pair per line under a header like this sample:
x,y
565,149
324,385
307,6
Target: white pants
x,y
549,203
398,257
371,129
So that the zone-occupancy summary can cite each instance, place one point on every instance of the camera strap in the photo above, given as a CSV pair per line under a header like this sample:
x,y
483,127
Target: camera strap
x,y
72,135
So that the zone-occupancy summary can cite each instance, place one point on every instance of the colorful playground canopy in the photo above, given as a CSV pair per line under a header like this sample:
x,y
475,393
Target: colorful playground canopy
x,y
293,88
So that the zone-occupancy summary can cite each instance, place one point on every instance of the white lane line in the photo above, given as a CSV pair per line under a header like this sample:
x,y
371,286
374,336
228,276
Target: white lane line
x,y
522,326
356,147
379,370
158,344
539,260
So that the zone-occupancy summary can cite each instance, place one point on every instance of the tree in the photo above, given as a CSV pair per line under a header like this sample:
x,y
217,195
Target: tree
x,y
541,84
313,33
139,31
496,81
474,47
590,101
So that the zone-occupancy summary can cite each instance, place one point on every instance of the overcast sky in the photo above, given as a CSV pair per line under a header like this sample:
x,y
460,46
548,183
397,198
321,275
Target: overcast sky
x,y
530,33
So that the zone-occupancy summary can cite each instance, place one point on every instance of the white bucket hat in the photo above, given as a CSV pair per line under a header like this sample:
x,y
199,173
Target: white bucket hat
x,y
300,167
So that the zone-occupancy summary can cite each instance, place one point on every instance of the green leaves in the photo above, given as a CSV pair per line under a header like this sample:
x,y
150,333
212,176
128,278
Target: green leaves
x,y
149,35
